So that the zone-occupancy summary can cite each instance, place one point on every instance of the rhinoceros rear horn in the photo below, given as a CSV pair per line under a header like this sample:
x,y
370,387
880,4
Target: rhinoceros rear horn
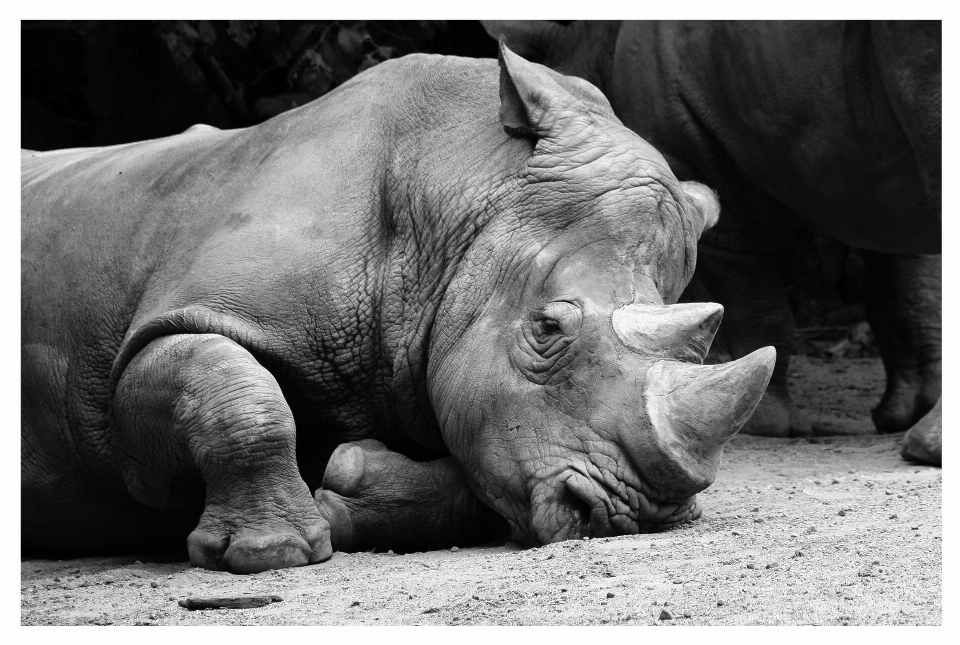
x,y
682,332
528,96
694,411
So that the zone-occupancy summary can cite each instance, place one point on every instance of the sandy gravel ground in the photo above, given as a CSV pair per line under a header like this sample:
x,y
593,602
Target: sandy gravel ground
x,y
830,531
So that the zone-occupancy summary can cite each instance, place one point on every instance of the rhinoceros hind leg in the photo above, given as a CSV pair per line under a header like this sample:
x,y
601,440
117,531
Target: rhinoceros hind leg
x,y
903,301
777,415
196,413
374,497
922,441
740,270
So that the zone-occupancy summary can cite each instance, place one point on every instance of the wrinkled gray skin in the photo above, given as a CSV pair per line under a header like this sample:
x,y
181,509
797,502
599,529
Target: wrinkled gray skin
x,y
825,124
369,321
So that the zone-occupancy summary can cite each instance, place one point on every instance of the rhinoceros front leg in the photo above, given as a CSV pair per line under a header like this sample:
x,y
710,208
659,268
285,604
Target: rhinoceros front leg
x,y
374,497
741,273
903,300
197,413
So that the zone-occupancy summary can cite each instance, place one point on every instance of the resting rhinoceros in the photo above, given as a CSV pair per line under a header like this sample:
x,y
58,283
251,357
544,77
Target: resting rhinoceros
x,y
414,300
826,124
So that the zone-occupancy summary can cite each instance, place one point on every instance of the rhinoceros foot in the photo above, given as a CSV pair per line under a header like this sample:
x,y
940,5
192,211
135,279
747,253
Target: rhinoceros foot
x,y
376,498
242,536
922,441
778,416
905,404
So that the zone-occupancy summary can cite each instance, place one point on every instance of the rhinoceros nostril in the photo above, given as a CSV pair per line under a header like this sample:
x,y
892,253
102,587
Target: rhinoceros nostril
x,y
578,511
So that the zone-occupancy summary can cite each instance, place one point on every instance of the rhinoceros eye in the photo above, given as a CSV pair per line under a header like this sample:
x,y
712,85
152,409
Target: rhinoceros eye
x,y
558,318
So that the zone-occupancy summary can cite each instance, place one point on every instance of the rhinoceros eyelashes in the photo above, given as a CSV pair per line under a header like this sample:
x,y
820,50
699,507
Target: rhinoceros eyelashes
x,y
557,318
542,340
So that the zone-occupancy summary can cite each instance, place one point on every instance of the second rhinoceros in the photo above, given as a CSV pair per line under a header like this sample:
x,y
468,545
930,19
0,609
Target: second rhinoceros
x,y
391,317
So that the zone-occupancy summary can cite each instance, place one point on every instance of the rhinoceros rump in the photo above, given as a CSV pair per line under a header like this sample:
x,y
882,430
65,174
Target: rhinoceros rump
x,y
394,317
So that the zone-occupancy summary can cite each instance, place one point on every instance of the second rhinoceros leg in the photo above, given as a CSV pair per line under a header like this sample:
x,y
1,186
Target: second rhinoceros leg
x,y
740,269
198,419
923,441
374,497
903,300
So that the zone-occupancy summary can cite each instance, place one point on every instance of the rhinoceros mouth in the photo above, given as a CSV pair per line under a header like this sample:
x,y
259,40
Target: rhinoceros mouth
x,y
573,505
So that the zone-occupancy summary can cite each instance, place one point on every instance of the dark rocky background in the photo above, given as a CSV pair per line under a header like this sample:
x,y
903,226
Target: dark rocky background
x,y
94,83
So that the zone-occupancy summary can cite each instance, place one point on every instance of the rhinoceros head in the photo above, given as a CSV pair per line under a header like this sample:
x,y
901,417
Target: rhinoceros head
x,y
566,384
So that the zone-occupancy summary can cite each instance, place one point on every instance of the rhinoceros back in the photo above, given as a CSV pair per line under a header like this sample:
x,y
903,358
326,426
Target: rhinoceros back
x,y
266,225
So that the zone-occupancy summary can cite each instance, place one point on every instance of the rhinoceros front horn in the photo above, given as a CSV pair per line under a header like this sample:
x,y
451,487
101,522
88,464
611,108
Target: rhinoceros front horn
x,y
694,411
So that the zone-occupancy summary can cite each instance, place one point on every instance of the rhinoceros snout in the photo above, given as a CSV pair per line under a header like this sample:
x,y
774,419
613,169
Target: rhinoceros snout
x,y
571,506
694,411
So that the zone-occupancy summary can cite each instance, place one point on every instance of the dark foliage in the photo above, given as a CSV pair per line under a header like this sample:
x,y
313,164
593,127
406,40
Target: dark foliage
x,y
105,82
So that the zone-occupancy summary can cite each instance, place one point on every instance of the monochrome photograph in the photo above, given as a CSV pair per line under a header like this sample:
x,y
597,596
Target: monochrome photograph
x,y
481,322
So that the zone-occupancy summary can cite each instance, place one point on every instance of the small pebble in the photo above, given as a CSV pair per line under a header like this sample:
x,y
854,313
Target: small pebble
x,y
390,553
758,520
876,562
835,481
735,533
455,548
755,509
893,517
720,603
842,513
432,610
610,594
798,554
772,565
154,584
812,529
355,603
586,538
687,614
665,615
751,566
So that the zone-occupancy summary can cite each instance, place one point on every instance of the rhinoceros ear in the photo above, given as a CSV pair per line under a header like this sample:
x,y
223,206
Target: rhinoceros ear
x,y
528,96
704,205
